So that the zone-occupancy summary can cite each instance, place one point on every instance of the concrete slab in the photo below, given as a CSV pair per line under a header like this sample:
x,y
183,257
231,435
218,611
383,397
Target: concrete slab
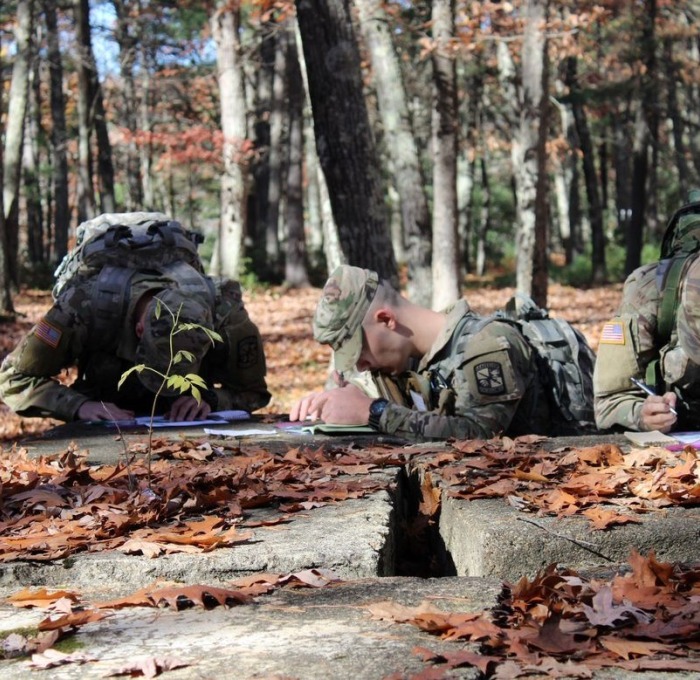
x,y
488,538
325,633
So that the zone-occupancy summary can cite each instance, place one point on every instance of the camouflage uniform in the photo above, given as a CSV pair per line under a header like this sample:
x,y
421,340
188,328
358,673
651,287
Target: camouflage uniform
x,y
628,345
234,369
478,380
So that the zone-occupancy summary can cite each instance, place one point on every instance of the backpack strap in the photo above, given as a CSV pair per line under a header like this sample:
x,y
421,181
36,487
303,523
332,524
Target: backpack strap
x,y
669,273
110,297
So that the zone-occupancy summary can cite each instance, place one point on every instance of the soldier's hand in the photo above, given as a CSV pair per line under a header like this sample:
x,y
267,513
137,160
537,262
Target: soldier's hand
x,y
347,405
656,412
98,410
187,408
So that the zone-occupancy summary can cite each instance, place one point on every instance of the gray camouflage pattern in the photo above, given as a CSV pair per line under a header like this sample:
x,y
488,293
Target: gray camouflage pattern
x,y
628,352
234,370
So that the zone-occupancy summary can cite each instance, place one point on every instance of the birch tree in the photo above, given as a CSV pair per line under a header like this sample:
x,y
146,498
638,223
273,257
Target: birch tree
x,y
401,147
446,286
529,157
14,131
225,25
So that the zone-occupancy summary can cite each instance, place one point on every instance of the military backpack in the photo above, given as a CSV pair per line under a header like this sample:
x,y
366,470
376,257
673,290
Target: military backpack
x,y
114,246
565,360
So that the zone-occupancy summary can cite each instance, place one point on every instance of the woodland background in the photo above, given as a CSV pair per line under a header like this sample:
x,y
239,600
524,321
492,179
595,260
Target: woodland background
x,y
445,144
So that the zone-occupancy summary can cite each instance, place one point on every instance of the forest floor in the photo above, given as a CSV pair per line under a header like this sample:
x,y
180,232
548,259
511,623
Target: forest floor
x,y
296,364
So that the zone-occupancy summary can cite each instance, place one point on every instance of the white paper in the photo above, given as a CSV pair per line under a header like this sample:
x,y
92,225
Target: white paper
x,y
249,432
686,437
418,401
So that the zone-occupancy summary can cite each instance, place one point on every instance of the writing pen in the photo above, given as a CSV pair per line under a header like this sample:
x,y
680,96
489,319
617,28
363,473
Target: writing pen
x,y
650,392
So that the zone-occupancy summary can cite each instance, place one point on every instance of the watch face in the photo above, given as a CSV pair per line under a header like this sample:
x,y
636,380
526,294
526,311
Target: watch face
x,y
377,407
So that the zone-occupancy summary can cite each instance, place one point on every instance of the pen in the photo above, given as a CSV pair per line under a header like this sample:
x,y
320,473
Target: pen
x,y
650,392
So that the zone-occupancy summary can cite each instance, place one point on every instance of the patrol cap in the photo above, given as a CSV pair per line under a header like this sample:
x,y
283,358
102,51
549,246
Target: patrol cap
x,y
346,298
154,349
689,312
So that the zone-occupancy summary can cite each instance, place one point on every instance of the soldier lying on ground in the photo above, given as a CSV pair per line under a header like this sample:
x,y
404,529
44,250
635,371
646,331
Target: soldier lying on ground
x,y
65,338
439,374
630,347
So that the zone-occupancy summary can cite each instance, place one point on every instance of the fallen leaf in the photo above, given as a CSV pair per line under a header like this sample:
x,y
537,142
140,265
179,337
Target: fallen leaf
x,y
149,666
52,658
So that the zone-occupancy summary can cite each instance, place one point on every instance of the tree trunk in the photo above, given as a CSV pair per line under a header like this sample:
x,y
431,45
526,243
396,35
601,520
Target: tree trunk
x,y
36,250
344,141
264,77
674,113
401,145
327,240
446,284
595,208
86,192
278,149
645,127
14,132
146,126
295,274
127,36
226,31
529,158
59,137
6,307
485,221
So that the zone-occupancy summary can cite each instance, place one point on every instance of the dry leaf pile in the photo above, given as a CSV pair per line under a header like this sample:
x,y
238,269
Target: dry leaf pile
x,y
52,507
599,482
563,625
55,506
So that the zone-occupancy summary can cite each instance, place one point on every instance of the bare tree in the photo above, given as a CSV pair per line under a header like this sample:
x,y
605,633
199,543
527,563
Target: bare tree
x,y
645,132
344,141
295,273
529,157
59,135
225,25
446,284
86,193
401,146
14,131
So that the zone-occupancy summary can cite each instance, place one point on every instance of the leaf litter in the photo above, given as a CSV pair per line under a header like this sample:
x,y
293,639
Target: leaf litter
x,y
557,624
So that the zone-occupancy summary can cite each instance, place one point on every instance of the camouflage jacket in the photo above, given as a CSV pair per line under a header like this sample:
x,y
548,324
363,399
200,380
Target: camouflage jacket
x,y
627,346
481,383
234,369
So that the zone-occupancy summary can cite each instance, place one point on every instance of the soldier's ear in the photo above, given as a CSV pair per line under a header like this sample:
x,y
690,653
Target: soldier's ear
x,y
139,328
386,316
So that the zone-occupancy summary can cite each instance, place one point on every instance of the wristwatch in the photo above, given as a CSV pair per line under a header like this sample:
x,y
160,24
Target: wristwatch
x,y
376,408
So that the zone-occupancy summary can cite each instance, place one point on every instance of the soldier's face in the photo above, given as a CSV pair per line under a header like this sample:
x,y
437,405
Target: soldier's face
x,y
383,348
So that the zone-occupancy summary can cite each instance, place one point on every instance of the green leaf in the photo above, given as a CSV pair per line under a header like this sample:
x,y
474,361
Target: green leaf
x,y
183,354
134,369
159,307
196,394
213,335
196,380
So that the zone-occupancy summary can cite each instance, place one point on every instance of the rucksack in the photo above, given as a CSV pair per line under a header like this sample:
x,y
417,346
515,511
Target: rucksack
x,y
680,245
565,360
114,246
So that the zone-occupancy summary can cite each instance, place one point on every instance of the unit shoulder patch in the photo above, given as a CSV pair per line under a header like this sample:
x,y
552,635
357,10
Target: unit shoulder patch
x,y
489,378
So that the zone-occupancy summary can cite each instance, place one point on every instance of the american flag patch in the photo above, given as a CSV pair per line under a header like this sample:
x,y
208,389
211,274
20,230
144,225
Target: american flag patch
x,y
48,333
613,334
